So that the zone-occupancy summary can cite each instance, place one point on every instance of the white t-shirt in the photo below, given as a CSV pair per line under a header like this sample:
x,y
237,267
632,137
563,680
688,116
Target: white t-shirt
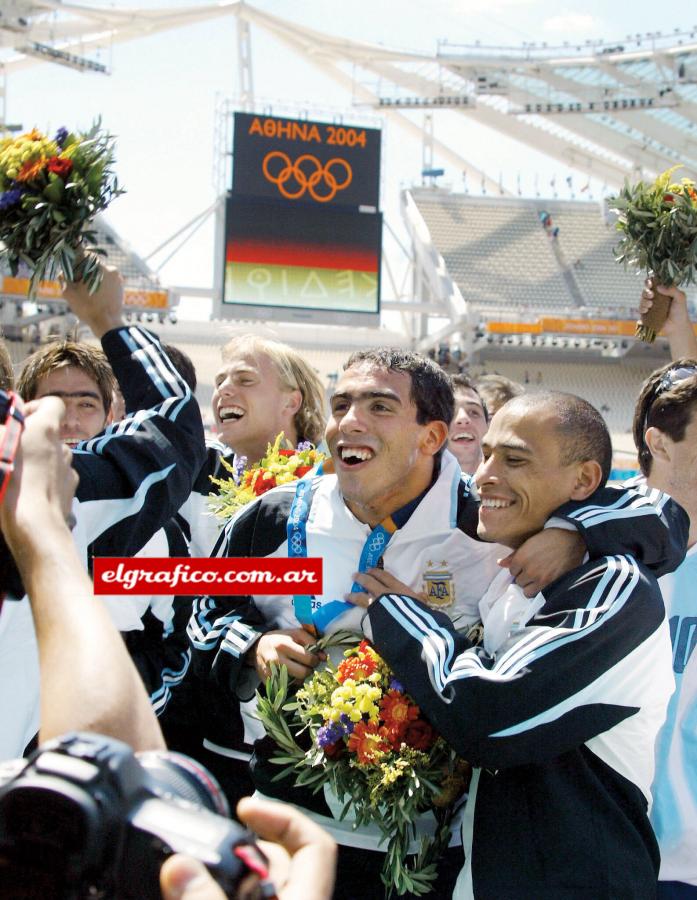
x,y
19,678
674,813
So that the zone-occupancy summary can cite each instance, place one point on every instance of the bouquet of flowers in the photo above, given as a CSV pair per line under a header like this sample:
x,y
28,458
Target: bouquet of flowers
x,y
50,190
370,744
659,226
277,467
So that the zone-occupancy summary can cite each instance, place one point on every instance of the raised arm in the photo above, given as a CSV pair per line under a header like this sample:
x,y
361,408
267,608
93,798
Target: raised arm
x,y
136,475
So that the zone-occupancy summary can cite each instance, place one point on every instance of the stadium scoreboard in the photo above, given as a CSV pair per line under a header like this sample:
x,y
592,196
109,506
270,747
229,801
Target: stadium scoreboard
x,y
302,229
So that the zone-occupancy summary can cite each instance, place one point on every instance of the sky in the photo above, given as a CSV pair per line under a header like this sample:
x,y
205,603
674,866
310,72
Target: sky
x,y
161,99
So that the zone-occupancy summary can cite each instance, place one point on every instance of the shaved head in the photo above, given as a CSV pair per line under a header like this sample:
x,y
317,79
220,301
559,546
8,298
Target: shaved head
x,y
581,429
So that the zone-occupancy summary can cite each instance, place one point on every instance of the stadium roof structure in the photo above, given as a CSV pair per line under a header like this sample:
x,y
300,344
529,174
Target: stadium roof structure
x,y
607,109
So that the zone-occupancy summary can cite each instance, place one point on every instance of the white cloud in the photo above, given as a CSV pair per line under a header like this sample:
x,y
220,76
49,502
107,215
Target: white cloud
x,y
573,23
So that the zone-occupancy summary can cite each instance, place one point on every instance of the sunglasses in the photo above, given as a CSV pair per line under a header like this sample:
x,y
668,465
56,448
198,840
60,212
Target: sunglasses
x,y
668,380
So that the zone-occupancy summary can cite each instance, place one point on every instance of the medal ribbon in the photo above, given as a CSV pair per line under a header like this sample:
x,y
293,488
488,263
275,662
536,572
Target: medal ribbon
x,y
373,549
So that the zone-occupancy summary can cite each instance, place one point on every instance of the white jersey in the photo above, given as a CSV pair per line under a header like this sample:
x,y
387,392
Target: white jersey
x,y
674,814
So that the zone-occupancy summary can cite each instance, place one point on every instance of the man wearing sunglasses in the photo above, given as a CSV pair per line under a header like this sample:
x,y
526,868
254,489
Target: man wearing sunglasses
x,y
665,433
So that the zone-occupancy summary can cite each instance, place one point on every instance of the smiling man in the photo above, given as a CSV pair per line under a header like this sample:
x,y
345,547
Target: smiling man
x,y
469,424
559,708
264,387
397,499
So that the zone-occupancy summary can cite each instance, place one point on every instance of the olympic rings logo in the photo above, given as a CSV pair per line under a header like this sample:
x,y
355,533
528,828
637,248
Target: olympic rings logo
x,y
308,173
377,542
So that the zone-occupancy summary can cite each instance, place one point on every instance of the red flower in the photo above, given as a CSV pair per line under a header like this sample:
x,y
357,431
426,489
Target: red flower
x,y
368,743
286,452
397,712
419,735
59,166
302,470
265,481
356,667
668,198
333,751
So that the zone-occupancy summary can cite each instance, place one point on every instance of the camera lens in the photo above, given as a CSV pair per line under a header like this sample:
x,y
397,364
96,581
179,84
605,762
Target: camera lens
x,y
184,778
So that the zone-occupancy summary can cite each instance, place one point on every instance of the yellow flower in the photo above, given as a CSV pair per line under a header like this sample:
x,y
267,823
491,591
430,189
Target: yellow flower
x,y
355,701
663,180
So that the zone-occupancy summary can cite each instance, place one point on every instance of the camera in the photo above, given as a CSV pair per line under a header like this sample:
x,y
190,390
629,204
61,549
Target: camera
x,y
84,817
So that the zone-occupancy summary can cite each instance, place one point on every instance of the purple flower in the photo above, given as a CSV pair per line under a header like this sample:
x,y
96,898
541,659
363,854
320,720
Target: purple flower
x,y
10,198
61,135
304,445
239,465
396,685
346,722
329,734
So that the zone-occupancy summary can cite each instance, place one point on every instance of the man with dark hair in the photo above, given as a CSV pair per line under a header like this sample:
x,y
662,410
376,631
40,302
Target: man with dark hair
x,y
665,433
81,376
559,708
469,424
666,404
429,383
394,500
183,363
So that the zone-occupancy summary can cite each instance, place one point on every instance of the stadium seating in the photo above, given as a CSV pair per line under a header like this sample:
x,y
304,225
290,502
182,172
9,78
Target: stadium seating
x,y
505,261
496,251
612,387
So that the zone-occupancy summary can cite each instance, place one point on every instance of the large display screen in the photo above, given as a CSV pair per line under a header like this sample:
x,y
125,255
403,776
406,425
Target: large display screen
x,y
296,160
310,257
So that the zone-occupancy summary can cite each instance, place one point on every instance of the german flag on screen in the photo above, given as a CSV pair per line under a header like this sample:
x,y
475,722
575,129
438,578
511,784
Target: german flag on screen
x,y
301,255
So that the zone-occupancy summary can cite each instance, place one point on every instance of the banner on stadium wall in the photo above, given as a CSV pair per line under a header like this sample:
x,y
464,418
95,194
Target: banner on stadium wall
x,y
51,290
552,325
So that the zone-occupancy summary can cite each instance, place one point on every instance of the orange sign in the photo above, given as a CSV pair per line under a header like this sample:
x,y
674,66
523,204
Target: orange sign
x,y
145,299
51,290
621,327
553,325
19,287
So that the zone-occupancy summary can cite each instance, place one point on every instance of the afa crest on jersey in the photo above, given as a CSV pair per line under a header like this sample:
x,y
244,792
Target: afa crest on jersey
x,y
439,585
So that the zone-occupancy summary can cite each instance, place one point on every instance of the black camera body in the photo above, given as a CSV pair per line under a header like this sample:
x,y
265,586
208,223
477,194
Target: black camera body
x,y
84,817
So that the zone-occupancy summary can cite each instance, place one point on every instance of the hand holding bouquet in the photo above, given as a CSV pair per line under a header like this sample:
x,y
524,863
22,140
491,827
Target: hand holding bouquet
x,y
371,745
659,226
50,190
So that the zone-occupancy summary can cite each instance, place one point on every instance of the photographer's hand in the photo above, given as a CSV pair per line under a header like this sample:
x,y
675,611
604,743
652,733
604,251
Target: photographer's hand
x,y
301,854
43,481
